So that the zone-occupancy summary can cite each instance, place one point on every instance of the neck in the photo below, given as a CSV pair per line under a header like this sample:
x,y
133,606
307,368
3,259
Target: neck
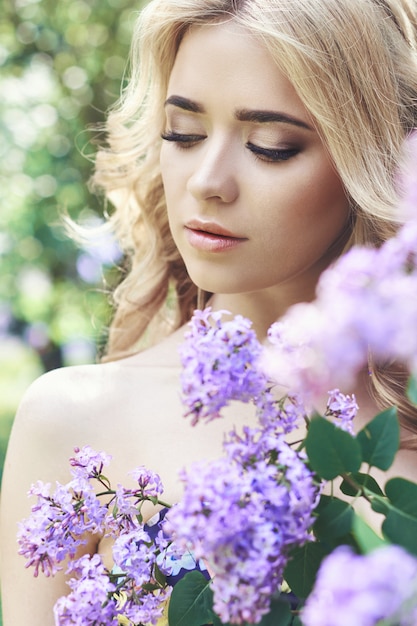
x,y
262,308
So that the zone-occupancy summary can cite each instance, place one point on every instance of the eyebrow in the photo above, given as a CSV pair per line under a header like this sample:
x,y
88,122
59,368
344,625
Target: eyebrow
x,y
243,115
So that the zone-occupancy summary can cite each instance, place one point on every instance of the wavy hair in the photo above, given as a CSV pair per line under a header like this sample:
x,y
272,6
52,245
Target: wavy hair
x,y
353,64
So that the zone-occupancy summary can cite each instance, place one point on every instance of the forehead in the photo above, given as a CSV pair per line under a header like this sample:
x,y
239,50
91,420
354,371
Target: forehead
x,y
224,63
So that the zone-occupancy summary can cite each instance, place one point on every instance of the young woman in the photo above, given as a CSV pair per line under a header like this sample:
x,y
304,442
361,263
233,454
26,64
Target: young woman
x,y
257,141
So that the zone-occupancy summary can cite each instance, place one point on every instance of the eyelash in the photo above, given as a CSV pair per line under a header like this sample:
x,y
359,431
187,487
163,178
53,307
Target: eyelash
x,y
272,155
268,155
184,141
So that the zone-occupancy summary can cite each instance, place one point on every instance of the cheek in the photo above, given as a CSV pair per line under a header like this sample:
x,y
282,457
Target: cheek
x,y
174,175
319,195
310,206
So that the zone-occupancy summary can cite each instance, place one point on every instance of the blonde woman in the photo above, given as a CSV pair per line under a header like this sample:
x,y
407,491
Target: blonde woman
x,y
257,141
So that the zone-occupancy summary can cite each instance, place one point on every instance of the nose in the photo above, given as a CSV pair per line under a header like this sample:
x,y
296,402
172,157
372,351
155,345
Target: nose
x,y
215,173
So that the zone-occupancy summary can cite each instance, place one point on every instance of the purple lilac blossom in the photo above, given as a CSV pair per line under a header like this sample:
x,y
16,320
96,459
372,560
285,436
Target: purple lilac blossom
x,y
149,482
135,556
343,409
88,463
243,514
142,607
285,414
219,364
128,502
57,524
88,604
57,527
125,515
134,553
364,589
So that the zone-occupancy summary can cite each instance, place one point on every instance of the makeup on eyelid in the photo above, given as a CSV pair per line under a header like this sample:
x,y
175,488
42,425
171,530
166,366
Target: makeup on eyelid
x,y
274,154
265,133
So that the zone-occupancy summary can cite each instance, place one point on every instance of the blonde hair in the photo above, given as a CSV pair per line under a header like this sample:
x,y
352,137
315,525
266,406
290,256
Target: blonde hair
x,y
353,64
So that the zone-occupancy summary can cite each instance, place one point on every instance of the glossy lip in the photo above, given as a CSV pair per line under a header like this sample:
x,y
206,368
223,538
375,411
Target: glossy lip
x,y
211,237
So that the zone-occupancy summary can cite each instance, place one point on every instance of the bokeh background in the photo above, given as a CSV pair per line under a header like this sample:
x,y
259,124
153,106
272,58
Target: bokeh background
x,y
62,64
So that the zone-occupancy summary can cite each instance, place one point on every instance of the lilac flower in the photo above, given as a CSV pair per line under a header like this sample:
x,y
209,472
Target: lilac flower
x,y
219,364
142,607
128,502
342,408
87,463
243,514
58,522
89,602
135,556
149,482
126,512
363,590
291,413
58,525
134,553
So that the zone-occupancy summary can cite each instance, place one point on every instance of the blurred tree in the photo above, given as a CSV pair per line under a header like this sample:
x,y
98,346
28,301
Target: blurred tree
x,y
61,66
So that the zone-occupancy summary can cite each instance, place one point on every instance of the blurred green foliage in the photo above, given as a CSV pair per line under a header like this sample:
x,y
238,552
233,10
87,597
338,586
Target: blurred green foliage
x,y
61,67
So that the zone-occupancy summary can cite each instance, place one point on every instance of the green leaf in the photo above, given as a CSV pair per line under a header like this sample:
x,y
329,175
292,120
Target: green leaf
x,y
191,601
365,536
301,570
412,390
331,451
400,525
334,520
401,529
150,586
159,576
279,614
380,439
403,494
380,505
363,480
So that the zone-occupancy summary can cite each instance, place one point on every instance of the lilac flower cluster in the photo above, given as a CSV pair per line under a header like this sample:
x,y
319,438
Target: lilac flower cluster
x,y
57,527
243,513
219,361
87,604
364,590
322,344
342,408
98,598
87,463
60,519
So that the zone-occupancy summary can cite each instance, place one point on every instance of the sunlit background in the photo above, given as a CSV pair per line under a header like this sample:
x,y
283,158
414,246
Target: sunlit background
x,y
61,66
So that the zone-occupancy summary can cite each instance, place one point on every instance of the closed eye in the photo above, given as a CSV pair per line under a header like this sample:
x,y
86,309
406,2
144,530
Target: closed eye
x,y
272,155
185,140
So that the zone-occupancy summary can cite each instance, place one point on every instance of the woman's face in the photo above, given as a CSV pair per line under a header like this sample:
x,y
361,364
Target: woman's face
x,y
253,200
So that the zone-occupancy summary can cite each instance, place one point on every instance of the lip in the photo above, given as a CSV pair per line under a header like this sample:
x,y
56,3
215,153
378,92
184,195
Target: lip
x,y
211,237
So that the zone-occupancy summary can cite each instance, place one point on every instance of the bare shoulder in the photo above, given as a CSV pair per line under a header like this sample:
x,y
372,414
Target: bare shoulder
x,y
96,405
73,392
